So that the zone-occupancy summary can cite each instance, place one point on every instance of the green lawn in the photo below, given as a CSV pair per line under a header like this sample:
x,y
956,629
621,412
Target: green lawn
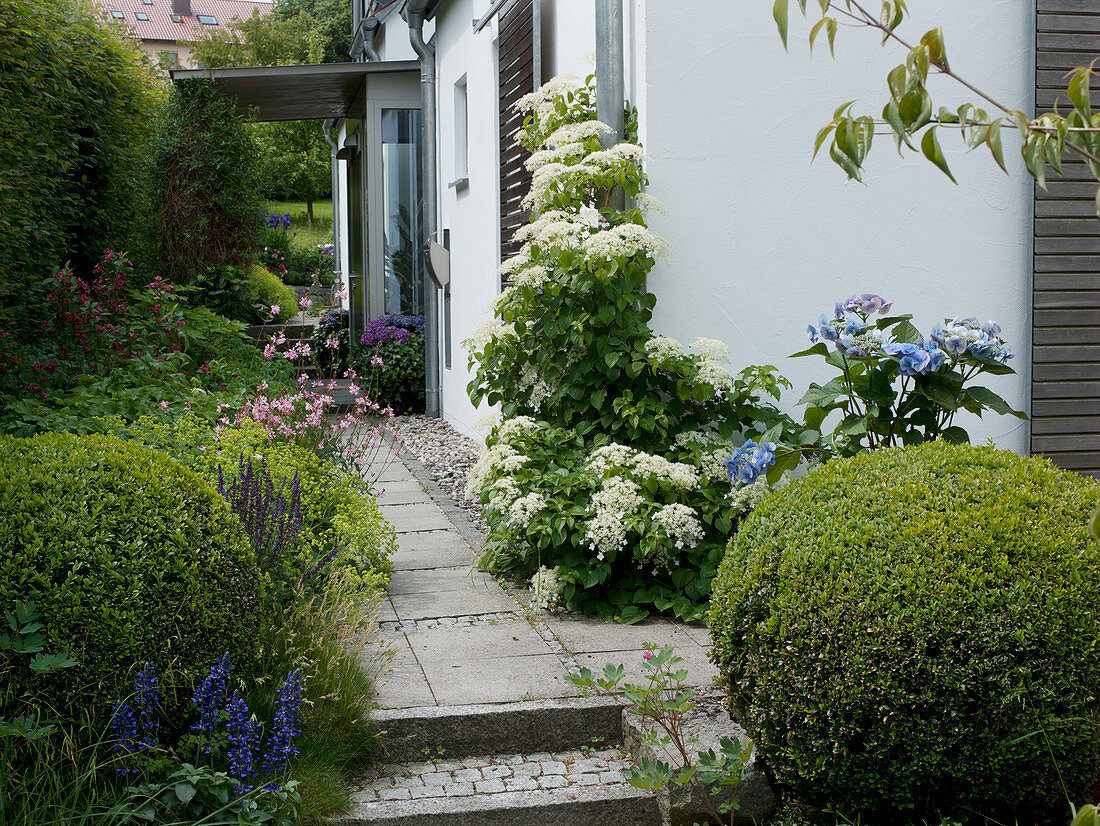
x,y
308,236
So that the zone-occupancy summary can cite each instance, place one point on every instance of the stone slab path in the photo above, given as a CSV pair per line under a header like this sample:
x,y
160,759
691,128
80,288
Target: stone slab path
x,y
461,638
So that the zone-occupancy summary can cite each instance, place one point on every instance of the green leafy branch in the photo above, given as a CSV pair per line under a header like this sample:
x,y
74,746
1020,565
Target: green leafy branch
x,y
908,113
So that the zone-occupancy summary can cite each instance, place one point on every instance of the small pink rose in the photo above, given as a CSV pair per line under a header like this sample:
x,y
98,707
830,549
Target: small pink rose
x,y
647,656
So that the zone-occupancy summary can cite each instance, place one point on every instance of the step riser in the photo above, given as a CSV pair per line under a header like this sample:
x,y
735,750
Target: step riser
x,y
529,727
628,807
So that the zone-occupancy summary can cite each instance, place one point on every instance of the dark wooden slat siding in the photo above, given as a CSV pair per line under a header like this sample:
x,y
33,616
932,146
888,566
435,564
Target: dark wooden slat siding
x,y
1065,382
515,58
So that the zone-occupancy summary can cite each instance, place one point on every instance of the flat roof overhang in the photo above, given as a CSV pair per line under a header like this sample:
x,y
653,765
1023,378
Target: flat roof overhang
x,y
310,92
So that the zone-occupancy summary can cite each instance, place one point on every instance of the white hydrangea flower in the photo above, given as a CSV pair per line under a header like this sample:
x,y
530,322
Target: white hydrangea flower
x,y
616,498
553,88
745,498
570,153
577,133
663,348
517,261
540,392
681,524
612,455
498,457
534,277
711,349
679,475
647,203
624,241
515,427
716,376
546,588
503,492
526,508
487,421
489,330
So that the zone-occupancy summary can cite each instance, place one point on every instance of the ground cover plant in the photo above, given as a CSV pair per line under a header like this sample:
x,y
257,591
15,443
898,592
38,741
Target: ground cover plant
x,y
913,631
608,468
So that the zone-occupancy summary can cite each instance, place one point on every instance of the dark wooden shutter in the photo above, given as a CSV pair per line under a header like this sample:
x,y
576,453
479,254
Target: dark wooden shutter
x,y
1065,387
515,58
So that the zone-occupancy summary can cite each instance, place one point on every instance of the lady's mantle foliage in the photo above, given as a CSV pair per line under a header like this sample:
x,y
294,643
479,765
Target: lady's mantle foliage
x,y
896,386
609,462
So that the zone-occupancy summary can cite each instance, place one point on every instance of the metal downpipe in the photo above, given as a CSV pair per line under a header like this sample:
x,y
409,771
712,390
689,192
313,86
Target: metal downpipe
x,y
610,80
337,263
416,13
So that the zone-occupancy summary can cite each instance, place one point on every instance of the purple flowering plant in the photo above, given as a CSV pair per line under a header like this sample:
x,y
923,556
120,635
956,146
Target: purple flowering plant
x,y
896,386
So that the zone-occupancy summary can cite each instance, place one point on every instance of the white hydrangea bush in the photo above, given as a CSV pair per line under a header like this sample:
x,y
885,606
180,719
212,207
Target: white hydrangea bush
x,y
607,463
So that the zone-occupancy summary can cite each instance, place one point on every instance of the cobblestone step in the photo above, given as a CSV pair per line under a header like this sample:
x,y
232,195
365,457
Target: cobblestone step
x,y
567,788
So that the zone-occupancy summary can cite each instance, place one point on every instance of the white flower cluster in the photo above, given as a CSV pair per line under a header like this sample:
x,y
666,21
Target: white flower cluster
x,y
624,241
579,132
490,330
711,349
616,455
545,94
534,276
606,530
556,176
617,155
515,427
662,348
546,588
746,497
557,229
568,154
681,525
516,262
647,203
526,508
499,457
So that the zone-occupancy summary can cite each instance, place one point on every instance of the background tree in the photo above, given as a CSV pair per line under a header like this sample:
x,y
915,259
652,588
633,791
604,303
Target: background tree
x,y
332,23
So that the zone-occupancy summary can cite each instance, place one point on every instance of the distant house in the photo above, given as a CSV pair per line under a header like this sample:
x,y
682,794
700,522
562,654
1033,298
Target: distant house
x,y
167,28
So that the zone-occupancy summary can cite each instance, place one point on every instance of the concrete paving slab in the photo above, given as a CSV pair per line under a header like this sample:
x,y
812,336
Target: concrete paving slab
x,y
432,541
404,684
468,602
458,556
386,471
419,517
583,634
699,633
700,670
499,680
439,579
485,640
402,485
386,612
389,496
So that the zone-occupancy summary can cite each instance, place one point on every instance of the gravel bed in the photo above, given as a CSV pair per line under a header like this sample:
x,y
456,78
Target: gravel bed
x,y
447,454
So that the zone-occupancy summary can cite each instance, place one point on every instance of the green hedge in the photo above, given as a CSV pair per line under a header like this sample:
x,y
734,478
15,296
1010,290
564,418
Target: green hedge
x,y
76,104
918,629
130,558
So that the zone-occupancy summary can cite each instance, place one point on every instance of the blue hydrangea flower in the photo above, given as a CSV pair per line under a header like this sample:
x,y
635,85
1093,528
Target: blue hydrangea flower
x,y
749,461
867,304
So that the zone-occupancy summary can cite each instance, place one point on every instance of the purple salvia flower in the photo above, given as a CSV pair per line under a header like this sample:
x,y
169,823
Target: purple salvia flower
x,y
243,731
287,724
124,729
209,697
146,689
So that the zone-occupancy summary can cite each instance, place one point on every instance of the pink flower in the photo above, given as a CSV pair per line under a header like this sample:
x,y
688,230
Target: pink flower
x,y
164,405
305,303
376,361
647,655
275,309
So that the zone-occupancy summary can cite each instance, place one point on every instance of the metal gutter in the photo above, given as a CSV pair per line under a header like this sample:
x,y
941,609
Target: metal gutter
x,y
337,263
489,15
610,80
416,12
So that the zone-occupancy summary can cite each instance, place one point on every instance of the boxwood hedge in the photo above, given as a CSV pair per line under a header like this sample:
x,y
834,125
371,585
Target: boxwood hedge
x,y
130,558
918,629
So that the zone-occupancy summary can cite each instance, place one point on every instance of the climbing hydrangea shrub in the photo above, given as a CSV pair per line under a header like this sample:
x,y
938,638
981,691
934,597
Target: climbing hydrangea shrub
x,y
609,462
897,386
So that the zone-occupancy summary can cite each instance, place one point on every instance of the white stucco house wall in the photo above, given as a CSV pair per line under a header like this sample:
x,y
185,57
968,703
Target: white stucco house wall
x,y
762,240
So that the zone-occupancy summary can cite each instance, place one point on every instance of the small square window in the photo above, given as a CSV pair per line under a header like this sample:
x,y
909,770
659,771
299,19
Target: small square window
x,y
118,15
208,19
140,15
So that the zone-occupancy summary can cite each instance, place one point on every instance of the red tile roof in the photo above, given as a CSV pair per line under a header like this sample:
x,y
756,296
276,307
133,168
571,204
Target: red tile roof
x,y
160,26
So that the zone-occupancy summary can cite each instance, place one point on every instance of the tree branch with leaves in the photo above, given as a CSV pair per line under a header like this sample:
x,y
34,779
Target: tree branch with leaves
x,y
908,113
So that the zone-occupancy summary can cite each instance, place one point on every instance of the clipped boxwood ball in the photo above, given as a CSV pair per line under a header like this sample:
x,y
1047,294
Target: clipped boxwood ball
x,y
130,558
918,629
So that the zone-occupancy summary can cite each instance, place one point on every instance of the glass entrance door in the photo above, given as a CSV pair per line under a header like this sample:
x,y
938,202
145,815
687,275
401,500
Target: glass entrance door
x,y
402,213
